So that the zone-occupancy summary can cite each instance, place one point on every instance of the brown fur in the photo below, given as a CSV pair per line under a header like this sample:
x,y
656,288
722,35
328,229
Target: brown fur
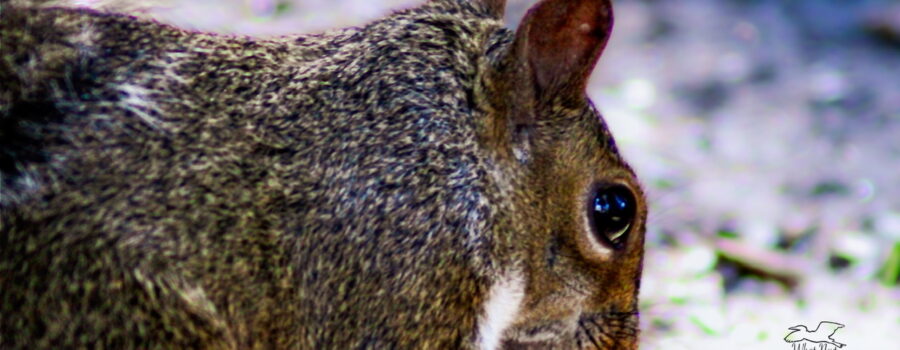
x,y
363,187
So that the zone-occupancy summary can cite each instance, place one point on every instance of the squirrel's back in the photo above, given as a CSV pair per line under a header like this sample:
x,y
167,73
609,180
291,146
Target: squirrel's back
x,y
298,139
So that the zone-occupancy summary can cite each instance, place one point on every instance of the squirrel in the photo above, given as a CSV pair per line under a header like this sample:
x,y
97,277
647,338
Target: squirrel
x,y
430,180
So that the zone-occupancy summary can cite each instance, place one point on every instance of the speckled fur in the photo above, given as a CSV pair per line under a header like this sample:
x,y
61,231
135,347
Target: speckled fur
x,y
171,189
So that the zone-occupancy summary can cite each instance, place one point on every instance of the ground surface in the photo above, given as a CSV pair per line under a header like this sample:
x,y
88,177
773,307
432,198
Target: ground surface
x,y
767,134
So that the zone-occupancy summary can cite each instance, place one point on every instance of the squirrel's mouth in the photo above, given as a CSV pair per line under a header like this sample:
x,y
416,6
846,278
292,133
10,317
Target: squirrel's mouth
x,y
617,330
542,336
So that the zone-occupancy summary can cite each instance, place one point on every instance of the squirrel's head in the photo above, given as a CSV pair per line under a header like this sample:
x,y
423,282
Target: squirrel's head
x,y
577,213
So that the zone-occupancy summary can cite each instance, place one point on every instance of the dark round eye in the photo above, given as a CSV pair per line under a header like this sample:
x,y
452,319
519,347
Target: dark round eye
x,y
612,212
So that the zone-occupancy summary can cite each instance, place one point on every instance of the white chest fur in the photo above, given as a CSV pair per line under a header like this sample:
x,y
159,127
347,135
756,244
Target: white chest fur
x,y
500,309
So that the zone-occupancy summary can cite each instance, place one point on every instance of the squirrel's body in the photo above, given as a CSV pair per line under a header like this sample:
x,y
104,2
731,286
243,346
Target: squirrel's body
x,y
165,188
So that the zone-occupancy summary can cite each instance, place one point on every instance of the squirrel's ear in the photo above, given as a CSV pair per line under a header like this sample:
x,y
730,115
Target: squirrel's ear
x,y
560,41
553,54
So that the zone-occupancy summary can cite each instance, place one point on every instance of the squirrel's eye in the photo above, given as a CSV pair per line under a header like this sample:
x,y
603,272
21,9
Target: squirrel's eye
x,y
612,212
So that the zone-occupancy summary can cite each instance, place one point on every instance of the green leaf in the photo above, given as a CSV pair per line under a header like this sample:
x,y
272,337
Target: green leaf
x,y
890,272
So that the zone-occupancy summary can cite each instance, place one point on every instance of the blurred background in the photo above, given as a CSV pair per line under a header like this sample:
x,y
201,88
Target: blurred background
x,y
766,133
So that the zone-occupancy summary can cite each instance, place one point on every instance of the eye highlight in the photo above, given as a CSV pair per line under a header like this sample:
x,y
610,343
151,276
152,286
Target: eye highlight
x,y
611,213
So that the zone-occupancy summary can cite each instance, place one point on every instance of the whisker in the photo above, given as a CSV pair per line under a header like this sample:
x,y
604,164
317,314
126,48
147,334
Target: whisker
x,y
589,335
